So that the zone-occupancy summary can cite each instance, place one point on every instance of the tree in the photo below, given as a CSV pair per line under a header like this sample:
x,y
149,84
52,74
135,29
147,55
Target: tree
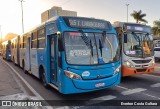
x,y
156,28
138,16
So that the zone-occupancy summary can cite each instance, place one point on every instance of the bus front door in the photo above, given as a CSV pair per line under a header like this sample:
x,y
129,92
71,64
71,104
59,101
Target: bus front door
x,y
53,59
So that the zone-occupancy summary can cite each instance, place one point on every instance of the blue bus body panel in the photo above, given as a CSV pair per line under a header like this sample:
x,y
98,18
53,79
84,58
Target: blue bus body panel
x,y
93,84
79,86
89,83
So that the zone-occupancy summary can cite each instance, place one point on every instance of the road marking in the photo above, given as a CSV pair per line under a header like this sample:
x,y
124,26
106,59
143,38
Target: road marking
x,y
151,75
28,85
122,87
156,85
151,96
63,107
91,102
100,99
133,91
107,97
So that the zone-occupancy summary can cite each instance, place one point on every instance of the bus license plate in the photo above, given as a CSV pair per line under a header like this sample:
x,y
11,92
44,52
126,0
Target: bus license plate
x,y
100,84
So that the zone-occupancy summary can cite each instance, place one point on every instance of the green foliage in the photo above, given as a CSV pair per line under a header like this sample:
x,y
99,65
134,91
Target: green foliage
x,y
138,16
156,28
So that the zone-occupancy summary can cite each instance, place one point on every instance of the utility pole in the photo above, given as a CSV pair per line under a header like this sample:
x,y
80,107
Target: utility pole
x,y
22,15
127,11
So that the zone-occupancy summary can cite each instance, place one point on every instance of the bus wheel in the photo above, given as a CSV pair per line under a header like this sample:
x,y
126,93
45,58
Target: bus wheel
x,y
43,78
23,66
14,61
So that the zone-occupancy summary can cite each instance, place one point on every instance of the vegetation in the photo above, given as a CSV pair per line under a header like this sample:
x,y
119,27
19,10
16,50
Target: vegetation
x,y
139,16
156,28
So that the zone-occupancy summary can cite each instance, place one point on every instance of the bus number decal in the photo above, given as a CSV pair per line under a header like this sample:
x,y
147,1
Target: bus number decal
x,y
79,52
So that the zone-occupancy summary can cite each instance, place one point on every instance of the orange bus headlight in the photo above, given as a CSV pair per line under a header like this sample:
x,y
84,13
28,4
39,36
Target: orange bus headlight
x,y
128,64
153,62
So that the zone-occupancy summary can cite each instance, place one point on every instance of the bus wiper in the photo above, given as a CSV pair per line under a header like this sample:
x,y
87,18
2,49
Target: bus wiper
x,y
147,36
136,37
85,39
103,39
100,46
91,46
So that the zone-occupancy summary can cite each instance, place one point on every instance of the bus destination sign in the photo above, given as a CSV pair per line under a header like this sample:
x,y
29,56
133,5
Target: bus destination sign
x,y
77,22
137,28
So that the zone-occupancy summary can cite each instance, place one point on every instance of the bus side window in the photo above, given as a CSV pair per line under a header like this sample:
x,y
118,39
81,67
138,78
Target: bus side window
x,y
41,38
34,40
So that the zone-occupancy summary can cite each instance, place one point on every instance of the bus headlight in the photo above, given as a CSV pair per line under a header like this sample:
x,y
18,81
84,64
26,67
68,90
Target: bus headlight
x,y
128,64
153,62
117,70
72,75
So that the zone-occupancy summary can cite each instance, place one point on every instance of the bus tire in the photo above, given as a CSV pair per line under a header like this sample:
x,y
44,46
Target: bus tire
x,y
14,61
43,78
23,67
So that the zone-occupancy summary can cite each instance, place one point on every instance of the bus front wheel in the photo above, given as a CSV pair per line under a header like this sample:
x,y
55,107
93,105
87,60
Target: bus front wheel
x,y
43,78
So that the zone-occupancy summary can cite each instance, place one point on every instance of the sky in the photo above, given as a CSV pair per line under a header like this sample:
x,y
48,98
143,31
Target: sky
x,y
111,10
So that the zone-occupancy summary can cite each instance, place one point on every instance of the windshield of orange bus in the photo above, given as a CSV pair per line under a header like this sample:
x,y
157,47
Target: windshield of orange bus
x,y
139,45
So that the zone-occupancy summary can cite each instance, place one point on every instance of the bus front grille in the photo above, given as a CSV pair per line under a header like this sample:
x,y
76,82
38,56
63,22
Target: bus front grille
x,y
141,61
141,70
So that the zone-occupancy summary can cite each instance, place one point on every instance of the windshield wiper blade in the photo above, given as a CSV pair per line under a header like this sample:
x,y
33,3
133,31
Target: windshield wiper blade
x,y
85,39
136,37
91,48
100,46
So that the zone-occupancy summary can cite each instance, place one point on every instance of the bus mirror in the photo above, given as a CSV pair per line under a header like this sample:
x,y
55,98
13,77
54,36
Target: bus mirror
x,y
60,44
125,38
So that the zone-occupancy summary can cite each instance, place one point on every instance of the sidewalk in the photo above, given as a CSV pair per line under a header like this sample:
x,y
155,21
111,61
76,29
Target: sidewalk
x,y
11,88
8,84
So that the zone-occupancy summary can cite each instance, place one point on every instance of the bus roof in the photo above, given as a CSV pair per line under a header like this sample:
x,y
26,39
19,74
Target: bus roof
x,y
77,22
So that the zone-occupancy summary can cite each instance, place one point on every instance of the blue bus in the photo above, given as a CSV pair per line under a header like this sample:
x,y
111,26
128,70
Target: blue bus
x,y
72,54
6,50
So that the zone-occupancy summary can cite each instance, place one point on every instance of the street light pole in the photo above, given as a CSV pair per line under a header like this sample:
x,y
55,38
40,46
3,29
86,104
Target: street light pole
x,y
127,11
1,36
22,15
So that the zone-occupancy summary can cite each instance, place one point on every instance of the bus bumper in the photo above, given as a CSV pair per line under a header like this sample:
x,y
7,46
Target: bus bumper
x,y
80,86
126,71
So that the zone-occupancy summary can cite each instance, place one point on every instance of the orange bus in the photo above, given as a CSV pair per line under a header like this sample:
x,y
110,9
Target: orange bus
x,y
137,48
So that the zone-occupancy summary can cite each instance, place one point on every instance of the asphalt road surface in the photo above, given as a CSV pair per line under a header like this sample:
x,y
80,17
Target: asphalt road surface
x,y
139,87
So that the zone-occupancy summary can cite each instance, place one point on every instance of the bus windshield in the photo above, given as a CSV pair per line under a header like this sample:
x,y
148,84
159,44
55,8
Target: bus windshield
x,y
139,45
90,48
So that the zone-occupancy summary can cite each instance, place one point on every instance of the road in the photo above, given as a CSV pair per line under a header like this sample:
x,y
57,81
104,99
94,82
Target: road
x,y
139,87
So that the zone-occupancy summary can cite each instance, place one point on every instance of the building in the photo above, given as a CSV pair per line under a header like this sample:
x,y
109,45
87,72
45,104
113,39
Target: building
x,y
56,11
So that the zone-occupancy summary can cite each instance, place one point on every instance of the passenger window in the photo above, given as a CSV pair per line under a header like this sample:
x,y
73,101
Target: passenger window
x,y
34,40
41,38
